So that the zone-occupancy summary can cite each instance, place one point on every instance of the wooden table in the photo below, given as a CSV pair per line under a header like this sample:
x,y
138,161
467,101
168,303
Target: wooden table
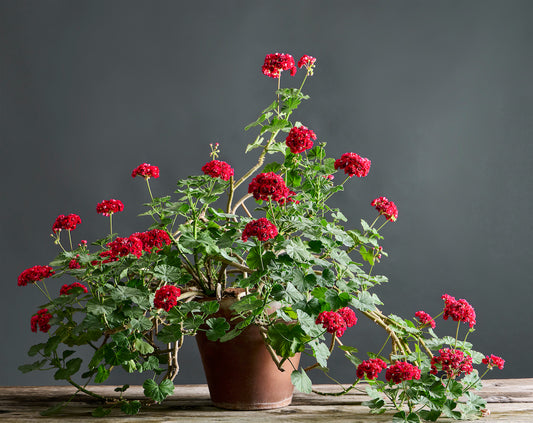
x,y
509,400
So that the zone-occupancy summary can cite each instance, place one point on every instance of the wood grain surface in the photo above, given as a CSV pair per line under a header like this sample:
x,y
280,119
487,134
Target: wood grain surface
x,y
509,400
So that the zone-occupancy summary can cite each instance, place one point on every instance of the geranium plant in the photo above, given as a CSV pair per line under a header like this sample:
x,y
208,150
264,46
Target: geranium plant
x,y
271,233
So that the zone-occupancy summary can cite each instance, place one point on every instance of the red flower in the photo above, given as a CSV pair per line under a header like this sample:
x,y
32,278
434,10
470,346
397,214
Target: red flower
x,y
34,274
353,165
276,63
166,297
386,208
68,222
300,139
108,207
306,61
451,361
146,170
493,361
425,319
401,371
74,264
371,368
269,186
153,239
261,228
333,322
121,247
41,320
218,169
348,315
458,310
65,289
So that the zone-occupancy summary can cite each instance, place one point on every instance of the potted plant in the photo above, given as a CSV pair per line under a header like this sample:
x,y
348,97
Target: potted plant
x,y
262,255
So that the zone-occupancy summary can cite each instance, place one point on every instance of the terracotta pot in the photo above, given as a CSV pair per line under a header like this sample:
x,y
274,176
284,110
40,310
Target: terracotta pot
x,y
240,373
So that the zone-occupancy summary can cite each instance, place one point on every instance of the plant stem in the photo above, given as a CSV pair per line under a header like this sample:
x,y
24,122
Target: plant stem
x,y
85,391
149,190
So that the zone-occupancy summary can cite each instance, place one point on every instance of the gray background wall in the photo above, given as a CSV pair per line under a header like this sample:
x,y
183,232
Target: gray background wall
x,y
437,94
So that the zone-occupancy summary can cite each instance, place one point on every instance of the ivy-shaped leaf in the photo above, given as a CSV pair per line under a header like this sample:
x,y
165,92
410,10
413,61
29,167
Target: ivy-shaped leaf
x,y
217,328
301,381
158,392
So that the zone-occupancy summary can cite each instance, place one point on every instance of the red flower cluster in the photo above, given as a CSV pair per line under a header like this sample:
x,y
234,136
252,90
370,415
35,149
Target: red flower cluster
x,y
425,319
65,289
261,228
348,315
300,139
74,264
306,60
401,371
371,368
451,361
386,208
68,222
269,186
493,361
337,322
353,165
146,171
276,63
108,207
121,247
34,274
41,320
153,239
166,297
458,310
218,169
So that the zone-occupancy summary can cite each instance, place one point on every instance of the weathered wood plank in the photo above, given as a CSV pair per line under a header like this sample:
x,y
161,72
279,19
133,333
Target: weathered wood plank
x,y
510,400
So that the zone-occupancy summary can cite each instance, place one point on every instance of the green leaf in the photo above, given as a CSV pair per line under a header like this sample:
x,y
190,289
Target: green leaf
x,y
96,308
121,388
430,415
402,417
256,144
253,259
101,412
151,364
25,368
217,328
143,347
141,324
301,381
321,352
376,404
287,340
102,374
167,273
308,324
336,300
297,250
272,167
72,367
131,407
169,334
158,392
34,349
210,307
366,301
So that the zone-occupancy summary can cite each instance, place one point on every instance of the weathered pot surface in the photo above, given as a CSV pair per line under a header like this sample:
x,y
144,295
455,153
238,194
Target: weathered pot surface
x,y
240,373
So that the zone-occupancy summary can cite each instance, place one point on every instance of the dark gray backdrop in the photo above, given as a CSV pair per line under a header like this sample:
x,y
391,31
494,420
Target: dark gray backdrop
x,y
437,94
